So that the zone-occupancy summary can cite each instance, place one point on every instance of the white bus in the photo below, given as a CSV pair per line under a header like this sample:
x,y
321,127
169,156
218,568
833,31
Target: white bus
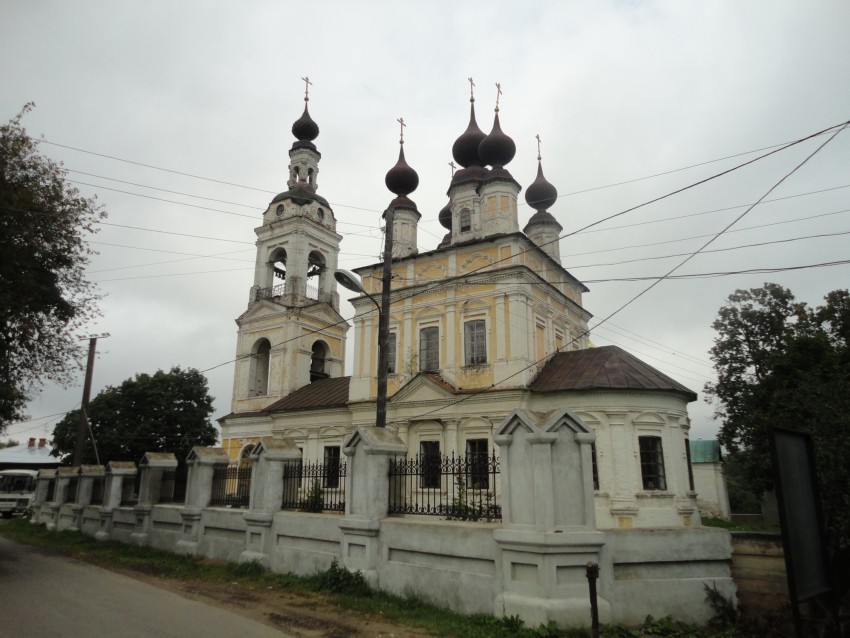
x,y
17,489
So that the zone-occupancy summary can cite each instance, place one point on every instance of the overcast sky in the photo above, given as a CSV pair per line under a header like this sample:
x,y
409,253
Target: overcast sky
x,y
632,100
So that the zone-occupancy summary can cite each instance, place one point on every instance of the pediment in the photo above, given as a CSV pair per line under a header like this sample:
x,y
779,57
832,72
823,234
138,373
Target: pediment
x,y
275,449
207,455
374,439
518,420
564,419
319,313
422,387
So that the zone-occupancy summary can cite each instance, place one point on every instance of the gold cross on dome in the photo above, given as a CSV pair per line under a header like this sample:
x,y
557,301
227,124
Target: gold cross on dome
x,y
401,131
471,89
498,94
537,137
307,84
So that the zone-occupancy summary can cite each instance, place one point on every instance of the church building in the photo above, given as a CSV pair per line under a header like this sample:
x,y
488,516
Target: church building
x,y
485,327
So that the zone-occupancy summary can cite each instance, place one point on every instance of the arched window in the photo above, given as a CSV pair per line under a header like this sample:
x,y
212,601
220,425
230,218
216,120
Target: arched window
x,y
296,173
316,274
465,220
275,279
258,383
318,361
311,177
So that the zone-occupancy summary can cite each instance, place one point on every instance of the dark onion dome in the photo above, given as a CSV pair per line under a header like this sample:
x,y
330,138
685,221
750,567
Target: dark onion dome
x,y
447,240
497,149
445,216
471,174
465,148
304,128
541,194
401,179
542,217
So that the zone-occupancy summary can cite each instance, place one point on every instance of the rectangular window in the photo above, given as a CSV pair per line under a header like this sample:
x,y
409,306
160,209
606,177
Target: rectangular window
x,y
594,466
429,348
332,466
391,350
690,467
539,342
429,456
477,476
475,342
465,220
652,463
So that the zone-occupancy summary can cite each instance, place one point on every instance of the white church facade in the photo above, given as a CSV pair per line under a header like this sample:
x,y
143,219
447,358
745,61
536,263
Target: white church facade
x,y
485,327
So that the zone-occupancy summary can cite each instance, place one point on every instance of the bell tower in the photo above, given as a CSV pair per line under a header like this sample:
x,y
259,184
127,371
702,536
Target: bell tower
x,y
292,334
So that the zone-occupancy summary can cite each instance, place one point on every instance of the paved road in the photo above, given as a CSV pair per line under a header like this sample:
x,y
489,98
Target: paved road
x,y
50,596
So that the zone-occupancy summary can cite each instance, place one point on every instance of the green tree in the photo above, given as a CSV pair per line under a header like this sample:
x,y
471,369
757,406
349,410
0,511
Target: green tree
x,y
44,296
780,363
162,412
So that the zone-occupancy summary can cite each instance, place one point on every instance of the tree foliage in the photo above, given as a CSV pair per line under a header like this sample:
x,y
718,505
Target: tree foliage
x,y
44,296
162,412
781,363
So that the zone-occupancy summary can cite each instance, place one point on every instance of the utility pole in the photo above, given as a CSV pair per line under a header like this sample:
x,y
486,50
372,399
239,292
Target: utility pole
x,y
384,321
82,426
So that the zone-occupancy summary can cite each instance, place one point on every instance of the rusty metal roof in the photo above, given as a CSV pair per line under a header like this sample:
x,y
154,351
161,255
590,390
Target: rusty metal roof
x,y
604,368
325,393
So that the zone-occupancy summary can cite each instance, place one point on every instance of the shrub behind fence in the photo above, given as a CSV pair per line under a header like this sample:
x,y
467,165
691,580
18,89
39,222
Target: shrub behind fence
x,y
314,487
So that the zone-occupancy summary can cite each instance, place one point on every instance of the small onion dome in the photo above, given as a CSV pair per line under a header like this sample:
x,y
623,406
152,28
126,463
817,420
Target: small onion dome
x,y
445,216
541,194
497,149
447,240
540,218
304,128
465,148
401,179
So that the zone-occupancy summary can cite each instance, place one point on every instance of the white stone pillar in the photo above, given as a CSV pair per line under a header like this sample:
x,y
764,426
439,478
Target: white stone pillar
x,y
201,462
269,457
368,450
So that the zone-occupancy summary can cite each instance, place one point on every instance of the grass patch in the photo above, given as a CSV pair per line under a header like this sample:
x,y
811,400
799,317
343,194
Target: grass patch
x,y
341,587
709,521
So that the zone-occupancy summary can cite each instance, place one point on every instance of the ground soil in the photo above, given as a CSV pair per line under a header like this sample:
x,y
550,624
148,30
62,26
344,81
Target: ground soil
x,y
297,615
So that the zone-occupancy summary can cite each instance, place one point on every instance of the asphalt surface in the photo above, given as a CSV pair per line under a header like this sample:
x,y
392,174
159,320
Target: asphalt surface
x,y
42,595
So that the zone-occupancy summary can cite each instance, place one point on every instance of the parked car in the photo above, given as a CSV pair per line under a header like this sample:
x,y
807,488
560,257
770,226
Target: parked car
x,y
17,489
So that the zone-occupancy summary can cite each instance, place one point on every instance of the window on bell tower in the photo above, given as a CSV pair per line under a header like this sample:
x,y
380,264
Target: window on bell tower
x,y
258,382
318,361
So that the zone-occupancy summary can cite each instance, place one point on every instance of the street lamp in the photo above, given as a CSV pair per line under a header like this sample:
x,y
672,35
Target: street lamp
x,y
350,281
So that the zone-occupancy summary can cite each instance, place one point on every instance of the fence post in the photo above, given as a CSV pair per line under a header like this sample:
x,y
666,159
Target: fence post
x,y
64,477
549,529
268,457
368,449
42,489
151,468
201,462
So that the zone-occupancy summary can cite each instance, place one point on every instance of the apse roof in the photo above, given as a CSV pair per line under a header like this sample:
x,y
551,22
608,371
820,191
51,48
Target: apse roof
x,y
604,368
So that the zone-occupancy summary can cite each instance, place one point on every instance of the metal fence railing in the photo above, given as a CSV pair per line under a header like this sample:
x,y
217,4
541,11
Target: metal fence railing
x,y
314,487
231,486
73,484
172,486
457,487
97,487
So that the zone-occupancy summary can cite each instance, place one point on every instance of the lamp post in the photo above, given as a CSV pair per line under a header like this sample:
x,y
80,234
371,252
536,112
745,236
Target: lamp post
x,y
351,282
